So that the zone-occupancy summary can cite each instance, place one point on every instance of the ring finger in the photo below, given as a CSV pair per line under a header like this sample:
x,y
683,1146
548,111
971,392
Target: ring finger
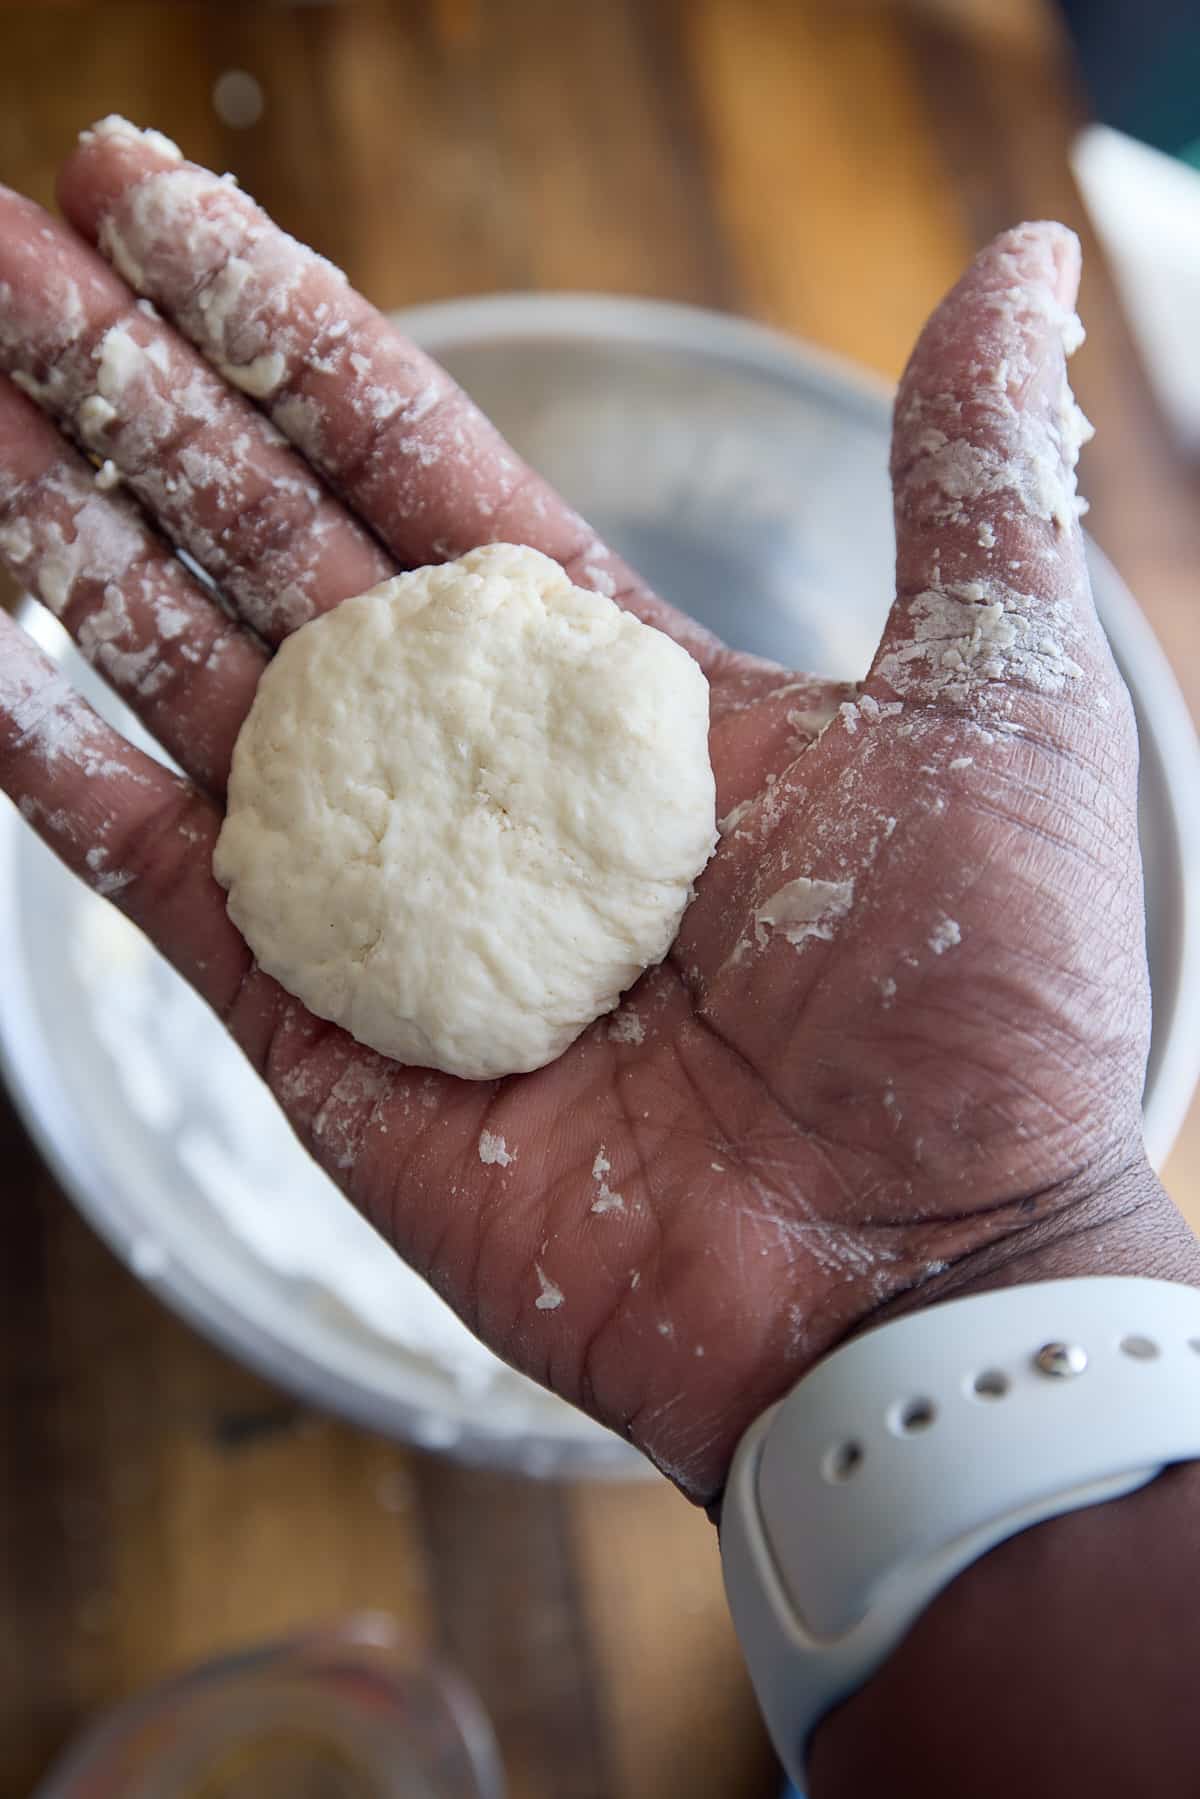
x,y
160,640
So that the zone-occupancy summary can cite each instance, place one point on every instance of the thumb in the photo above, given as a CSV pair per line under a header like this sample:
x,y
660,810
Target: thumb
x,y
993,616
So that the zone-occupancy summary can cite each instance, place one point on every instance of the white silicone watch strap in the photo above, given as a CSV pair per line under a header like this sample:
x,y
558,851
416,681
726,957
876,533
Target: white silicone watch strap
x,y
908,1453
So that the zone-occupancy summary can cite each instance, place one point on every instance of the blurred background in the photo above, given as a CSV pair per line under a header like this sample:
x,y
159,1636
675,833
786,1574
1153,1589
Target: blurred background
x,y
826,169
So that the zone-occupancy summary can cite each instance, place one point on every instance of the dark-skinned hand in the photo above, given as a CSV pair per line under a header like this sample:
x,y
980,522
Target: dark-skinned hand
x,y
807,1122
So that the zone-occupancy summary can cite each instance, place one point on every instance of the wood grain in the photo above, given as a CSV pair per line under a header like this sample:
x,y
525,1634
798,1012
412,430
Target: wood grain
x,y
826,168
839,223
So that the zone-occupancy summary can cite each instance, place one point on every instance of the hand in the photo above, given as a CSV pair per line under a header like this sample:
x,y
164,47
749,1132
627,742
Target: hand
x,y
906,1017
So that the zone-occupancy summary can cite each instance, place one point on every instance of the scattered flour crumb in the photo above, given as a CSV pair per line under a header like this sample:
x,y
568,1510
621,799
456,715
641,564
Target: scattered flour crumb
x,y
626,1027
962,762
493,1149
873,710
95,415
887,987
39,392
112,882
866,709
606,1200
170,619
600,579
733,818
107,476
121,362
107,882
717,1167
259,378
945,935
804,908
16,540
810,721
550,1297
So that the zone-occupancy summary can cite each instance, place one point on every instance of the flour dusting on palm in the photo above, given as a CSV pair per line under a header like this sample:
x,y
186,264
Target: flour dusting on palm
x,y
803,908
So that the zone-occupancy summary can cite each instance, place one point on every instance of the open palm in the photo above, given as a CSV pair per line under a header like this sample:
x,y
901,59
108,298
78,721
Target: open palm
x,y
906,1015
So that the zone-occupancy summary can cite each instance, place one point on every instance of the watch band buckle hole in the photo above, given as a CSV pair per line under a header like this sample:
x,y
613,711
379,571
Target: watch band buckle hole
x,y
841,1462
908,1416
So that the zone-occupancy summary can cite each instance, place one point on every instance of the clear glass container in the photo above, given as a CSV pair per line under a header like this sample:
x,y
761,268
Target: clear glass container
x,y
346,1712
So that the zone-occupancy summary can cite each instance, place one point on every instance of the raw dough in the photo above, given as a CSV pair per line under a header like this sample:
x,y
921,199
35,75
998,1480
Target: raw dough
x,y
466,810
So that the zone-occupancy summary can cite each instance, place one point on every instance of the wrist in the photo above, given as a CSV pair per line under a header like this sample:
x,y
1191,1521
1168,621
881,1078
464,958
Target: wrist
x,y
832,1567
1119,1221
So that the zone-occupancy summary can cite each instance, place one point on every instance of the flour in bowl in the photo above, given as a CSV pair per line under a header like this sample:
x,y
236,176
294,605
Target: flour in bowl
x,y
185,1079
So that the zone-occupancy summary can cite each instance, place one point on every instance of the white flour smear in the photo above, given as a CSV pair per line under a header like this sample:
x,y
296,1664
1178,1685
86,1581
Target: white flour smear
x,y
186,1081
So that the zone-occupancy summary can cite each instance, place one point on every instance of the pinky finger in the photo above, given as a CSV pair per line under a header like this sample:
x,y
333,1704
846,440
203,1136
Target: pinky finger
x,y
136,833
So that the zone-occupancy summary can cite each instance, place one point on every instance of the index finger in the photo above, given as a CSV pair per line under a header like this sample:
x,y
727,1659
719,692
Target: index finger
x,y
387,427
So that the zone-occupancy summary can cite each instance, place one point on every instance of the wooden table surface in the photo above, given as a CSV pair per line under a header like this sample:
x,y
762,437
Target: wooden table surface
x,y
825,167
